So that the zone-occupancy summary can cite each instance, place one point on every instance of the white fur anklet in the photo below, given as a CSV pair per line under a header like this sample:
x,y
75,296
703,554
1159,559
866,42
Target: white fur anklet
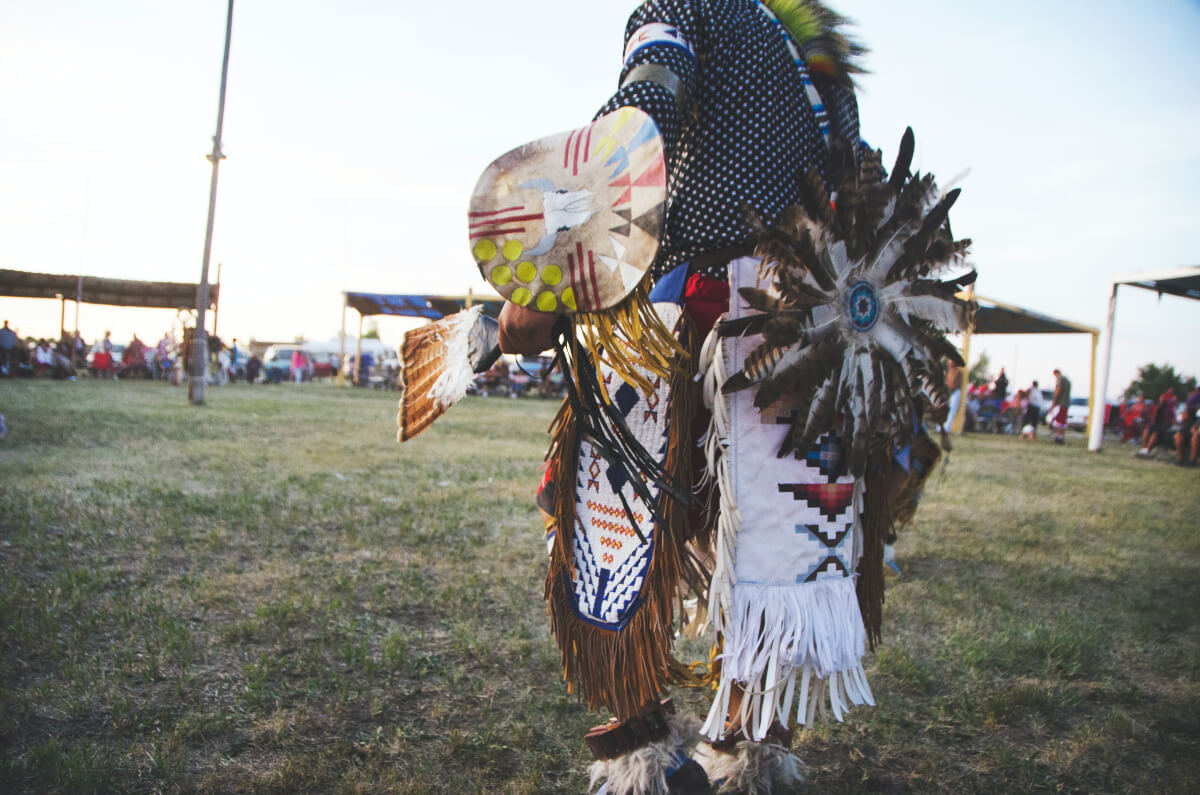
x,y
751,768
644,771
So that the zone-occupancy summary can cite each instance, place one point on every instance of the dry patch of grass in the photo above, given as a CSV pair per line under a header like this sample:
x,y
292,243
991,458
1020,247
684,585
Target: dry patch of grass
x,y
269,595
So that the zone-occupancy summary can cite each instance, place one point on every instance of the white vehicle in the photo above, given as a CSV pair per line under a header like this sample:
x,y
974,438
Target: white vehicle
x,y
1077,413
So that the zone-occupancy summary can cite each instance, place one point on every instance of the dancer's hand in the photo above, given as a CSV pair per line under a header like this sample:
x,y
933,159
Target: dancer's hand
x,y
524,331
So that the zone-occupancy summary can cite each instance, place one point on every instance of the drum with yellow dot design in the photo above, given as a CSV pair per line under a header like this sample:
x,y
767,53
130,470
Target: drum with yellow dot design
x,y
571,222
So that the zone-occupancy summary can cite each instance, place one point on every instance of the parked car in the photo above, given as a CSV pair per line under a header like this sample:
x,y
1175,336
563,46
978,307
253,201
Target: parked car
x,y
324,365
277,363
1077,413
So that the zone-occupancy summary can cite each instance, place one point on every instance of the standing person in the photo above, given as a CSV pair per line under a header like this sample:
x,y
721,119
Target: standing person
x,y
162,356
1033,411
954,383
102,363
297,366
235,358
1001,391
1059,403
364,368
8,346
753,114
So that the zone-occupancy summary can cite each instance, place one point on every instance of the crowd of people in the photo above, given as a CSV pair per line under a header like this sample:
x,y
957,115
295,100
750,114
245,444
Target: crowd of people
x,y
1168,422
990,409
528,377
70,356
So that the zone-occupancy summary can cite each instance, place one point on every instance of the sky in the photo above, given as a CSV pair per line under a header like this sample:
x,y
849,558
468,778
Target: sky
x,y
355,131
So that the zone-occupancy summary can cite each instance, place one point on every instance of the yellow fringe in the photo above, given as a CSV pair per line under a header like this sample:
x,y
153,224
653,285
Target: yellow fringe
x,y
631,335
697,674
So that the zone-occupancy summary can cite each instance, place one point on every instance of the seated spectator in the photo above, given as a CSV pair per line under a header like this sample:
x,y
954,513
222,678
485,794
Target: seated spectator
x,y
1133,418
43,357
80,352
1185,437
133,361
64,358
253,368
495,380
22,364
1158,430
518,380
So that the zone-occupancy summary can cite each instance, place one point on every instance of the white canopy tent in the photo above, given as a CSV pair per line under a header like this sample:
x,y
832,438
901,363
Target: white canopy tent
x,y
1183,282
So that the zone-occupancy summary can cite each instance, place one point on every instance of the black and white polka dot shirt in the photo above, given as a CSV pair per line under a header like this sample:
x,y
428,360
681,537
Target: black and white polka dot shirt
x,y
749,131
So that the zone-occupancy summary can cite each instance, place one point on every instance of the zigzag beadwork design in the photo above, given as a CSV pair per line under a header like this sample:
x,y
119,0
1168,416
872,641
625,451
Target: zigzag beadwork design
x,y
613,527
626,583
611,510
585,580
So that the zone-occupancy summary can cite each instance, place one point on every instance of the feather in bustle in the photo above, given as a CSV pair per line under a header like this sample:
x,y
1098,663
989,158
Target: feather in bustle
x,y
435,370
854,322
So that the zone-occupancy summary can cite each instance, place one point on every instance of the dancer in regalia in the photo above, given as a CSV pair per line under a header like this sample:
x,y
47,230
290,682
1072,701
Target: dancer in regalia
x,y
770,503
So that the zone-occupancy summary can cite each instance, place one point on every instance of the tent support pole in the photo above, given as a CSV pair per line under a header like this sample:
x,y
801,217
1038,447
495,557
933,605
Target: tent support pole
x,y
217,303
199,338
341,376
78,301
960,415
1096,430
358,350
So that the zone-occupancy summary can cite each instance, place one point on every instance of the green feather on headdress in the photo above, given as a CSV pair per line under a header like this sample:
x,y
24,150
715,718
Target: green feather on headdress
x,y
814,26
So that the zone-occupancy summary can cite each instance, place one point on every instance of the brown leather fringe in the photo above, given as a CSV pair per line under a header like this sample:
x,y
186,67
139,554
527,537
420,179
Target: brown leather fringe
x,y
877,523
624,670
890,499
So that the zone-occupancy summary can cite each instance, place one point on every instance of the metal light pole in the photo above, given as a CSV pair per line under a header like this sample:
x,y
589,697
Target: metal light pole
x,y
200,339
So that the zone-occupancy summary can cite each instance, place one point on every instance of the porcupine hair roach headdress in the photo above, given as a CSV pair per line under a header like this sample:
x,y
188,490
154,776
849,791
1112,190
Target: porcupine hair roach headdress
x,y
827,51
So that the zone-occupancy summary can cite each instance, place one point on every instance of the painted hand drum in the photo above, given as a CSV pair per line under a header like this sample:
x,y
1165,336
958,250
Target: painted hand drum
x,y
571,222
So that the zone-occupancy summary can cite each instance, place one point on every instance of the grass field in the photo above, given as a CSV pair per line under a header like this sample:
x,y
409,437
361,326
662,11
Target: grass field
x,y
268,594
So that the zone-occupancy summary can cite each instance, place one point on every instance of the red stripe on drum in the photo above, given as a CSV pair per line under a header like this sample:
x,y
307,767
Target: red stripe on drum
x,y
495,212
489,232
592,274
512,219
